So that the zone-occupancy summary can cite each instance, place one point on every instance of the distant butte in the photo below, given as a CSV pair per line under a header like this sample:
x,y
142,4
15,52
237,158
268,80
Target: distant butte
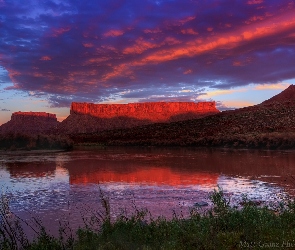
x,y
30,123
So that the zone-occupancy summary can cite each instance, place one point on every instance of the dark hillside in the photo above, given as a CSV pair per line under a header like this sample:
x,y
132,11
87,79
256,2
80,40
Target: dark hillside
x,y
287,95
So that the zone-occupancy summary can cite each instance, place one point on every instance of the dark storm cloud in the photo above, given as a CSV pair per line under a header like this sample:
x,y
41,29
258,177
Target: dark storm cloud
x,y
99,50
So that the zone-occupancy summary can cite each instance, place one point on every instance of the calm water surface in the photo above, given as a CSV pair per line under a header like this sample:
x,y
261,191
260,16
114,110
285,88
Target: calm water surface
x,y
65,185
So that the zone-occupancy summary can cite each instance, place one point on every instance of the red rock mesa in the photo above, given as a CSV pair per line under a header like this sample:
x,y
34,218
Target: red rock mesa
x,y
89,117
30,122
153,111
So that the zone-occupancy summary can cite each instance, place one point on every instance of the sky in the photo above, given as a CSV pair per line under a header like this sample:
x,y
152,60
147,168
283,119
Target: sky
x,y
53,52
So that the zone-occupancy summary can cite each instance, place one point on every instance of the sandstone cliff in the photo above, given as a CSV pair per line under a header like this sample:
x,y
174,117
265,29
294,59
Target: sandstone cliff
x,y
89,117
30,123
153,111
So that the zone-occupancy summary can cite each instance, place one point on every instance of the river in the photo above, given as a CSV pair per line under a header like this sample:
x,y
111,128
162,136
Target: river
x,y
57,186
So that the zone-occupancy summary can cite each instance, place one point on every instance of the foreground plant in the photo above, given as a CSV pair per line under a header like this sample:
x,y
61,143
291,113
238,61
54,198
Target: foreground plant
x,y
221,227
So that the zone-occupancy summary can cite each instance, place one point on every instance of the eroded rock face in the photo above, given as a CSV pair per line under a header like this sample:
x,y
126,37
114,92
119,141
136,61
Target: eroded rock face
x,y
89,117
153,111
30,123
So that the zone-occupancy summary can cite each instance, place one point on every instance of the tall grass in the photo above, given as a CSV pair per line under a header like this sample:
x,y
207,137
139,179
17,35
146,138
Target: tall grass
x,y
220,227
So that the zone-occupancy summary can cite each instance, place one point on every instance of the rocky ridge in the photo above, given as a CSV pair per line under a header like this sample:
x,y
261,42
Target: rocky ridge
x,y
286,95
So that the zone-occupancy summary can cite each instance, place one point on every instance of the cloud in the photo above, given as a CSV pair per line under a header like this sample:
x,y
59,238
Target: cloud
x,y
177,93
113,33
279,86
237,104
219,92
4,110
45,58
222,107
255,2
98,51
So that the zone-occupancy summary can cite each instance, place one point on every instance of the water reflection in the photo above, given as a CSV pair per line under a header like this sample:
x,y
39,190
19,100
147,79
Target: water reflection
x,y
178,166
161,179
29,170
151,176
154,166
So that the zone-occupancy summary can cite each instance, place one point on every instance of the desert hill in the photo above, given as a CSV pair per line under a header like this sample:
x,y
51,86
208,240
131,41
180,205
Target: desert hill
x,y
270,124
286,95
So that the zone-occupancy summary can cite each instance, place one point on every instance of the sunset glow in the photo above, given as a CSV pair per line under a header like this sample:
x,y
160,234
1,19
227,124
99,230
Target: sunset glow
x,y
56,52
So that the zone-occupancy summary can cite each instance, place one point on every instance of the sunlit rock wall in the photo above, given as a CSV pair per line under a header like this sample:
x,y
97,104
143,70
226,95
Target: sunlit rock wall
x,y
153,111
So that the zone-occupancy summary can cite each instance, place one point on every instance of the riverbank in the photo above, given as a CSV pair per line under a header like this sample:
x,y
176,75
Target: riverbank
x,y
220,227
272,140
26,142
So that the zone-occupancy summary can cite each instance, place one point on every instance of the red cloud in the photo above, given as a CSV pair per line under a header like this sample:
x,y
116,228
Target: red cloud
x,y
189,32
254,2
189,71
59,31
88,45
229,40
45,58
113,33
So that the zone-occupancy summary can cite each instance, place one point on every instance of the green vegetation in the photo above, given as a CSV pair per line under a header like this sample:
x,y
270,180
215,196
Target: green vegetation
x,y
221,227
18,141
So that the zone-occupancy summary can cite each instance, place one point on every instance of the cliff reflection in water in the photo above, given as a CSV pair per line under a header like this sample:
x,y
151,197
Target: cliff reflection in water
x,y
182,166
160,166
151,176
85,175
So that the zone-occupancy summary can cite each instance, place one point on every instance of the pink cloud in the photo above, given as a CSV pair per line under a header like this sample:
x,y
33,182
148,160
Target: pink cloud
x,y
140,46
45,58
228,40
189,71
113,33
189,32
152,31
187,19
59,31
254,2
88,45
